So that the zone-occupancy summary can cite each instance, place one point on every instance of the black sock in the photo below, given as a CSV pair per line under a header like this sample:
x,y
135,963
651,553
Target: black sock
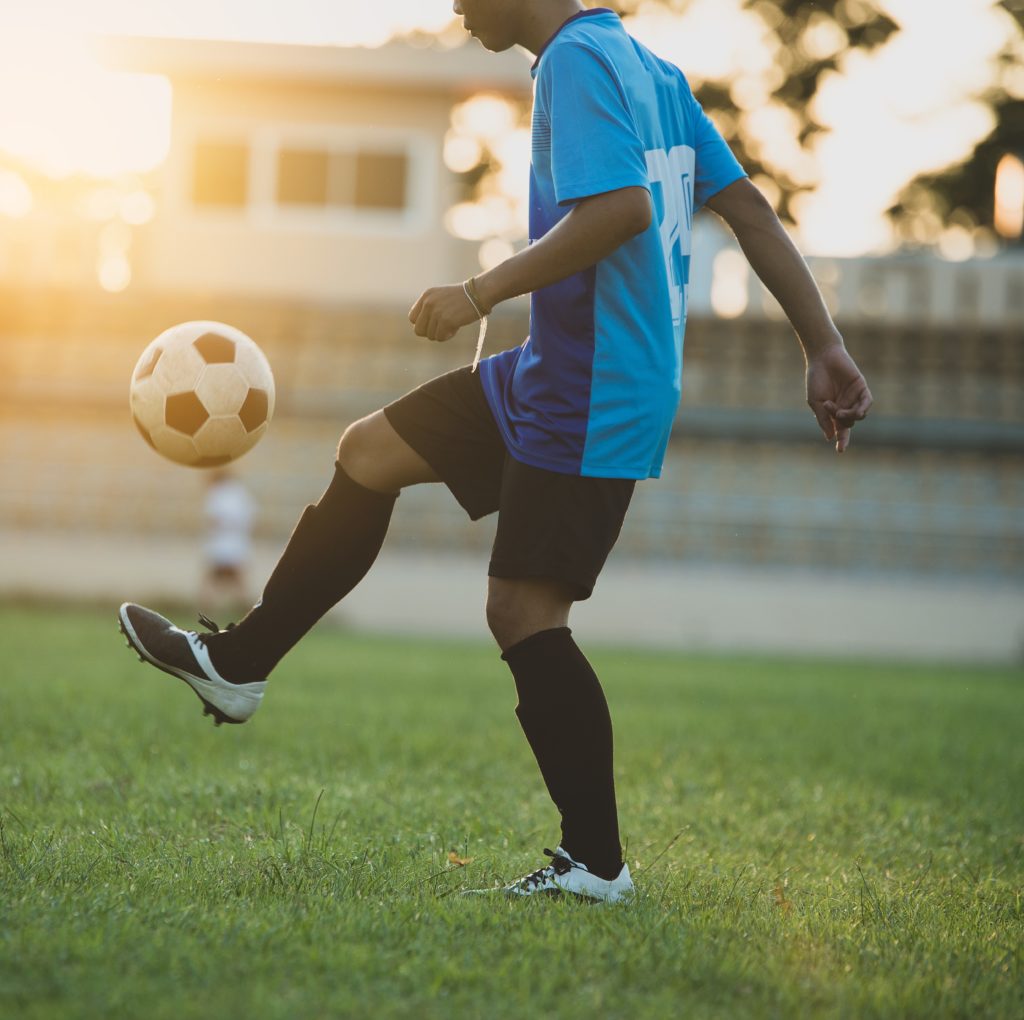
x,y
564,715
332,547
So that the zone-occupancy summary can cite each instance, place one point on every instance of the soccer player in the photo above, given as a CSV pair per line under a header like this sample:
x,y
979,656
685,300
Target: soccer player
x,y
552,435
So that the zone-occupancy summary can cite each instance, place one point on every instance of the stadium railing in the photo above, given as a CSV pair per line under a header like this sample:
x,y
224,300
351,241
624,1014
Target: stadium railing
x,y
934,482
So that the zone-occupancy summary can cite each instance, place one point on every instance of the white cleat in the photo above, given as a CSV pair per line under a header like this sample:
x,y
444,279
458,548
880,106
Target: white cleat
x,y
565,876
183,653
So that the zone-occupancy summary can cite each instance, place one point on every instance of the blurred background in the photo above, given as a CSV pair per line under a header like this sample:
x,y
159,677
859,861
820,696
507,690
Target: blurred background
x,y
303,171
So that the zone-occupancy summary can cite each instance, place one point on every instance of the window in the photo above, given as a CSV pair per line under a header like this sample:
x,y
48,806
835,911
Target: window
x,y
364,179
220,174
331,178
302,177
380,180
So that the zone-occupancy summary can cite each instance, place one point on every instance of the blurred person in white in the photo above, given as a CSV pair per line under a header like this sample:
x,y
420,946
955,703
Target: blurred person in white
x,y
228,515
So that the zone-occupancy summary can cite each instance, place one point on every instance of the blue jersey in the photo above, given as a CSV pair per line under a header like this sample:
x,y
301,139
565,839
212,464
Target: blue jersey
x,y
594,390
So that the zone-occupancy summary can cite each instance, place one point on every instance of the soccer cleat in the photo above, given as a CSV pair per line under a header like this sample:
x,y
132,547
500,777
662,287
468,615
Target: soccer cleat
x,y
183,653
567,876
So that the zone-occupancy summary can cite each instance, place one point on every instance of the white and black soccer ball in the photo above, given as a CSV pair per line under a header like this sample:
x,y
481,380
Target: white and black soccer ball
x,y
202,394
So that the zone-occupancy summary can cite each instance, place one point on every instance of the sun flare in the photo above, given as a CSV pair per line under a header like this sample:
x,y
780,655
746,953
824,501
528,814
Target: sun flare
x,y
64,113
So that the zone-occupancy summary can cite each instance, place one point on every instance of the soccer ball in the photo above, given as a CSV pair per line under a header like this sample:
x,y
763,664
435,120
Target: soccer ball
x,y
202,394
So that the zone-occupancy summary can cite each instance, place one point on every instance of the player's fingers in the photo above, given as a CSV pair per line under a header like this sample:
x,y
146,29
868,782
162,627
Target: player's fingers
x,y
437,331
863,404
849,415
422,322
842,440
856,403
824,419
445,329
414,312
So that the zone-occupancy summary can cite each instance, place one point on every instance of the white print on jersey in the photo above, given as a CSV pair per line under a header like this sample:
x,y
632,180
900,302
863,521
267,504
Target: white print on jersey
x,y
674,171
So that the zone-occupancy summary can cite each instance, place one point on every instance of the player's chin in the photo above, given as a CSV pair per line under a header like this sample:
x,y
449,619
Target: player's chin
x,y
494,44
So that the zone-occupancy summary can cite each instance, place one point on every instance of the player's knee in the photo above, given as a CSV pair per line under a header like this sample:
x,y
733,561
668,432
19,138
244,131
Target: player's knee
x,y
360,450
518,609
375,455
504,614
353,442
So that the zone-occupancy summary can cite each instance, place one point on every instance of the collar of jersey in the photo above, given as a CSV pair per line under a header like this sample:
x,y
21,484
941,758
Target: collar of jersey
x,y
568,21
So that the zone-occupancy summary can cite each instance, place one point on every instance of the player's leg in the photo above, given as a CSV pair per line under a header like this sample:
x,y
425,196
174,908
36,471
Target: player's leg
x,y
377,458
518,608
554,534
441,431
330,551
332,547
436,431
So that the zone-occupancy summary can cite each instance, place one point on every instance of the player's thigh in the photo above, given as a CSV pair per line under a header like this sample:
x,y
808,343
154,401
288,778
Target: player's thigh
x,y
556,527
448,423
375,455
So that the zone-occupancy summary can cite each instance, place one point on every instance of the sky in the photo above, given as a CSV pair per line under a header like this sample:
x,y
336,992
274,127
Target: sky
x,y
892,114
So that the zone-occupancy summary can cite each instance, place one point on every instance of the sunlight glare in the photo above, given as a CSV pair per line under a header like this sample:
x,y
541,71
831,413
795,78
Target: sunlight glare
x,y
64,113
729,282
494,252
484,116
300,22
1009,197
710,41
890,114
461,153
15,195
468,221
114,273
902,110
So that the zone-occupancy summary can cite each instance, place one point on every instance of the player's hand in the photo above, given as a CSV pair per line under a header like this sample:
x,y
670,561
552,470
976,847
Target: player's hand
x,y
837,393
441,312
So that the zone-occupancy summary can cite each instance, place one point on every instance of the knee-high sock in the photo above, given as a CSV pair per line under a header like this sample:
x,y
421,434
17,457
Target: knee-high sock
x,y
563,712
332,547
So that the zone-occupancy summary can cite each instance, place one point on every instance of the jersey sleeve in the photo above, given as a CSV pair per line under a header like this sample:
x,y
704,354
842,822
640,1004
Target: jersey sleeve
x,y
595,146
717,167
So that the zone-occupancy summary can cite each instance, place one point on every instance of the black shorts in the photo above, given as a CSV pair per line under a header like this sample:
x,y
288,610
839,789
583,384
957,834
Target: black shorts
x,y
550,525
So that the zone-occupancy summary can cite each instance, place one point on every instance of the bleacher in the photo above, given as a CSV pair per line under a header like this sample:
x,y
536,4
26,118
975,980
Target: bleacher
x,y
934,482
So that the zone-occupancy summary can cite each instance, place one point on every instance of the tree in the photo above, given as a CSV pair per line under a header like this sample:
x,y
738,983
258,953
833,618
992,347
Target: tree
x,y
963,195
810,39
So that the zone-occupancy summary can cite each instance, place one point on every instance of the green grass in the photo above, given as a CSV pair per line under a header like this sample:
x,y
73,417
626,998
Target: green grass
x,y
809,839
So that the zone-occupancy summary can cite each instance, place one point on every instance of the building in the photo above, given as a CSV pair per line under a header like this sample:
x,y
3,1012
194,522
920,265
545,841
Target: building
x,y
303,201
309,173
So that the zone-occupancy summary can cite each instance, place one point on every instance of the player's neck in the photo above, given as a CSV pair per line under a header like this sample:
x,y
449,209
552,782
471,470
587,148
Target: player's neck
x,y
543,19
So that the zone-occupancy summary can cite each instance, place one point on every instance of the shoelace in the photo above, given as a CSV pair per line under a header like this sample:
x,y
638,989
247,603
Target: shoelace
x,y
560,865
210,625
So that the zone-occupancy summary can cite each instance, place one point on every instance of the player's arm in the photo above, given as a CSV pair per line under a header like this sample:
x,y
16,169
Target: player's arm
x,y
595,227
836,390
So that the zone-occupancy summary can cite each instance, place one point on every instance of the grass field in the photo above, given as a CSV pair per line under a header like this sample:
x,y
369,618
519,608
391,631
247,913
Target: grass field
x,y
809,839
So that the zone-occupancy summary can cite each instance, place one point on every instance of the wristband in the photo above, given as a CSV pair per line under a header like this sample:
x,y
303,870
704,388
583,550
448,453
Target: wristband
x,y
474,297
478,306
